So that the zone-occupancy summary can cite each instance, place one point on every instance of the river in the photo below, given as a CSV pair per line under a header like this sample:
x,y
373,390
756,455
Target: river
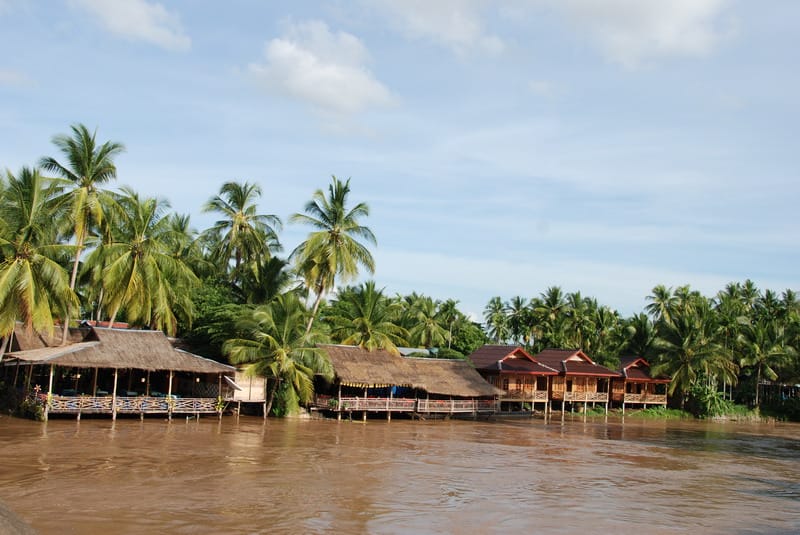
x,y
312,476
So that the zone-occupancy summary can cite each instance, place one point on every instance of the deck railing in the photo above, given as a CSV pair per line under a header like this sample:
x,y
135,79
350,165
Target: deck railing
x,y
128,405
444,406
524,395
586,396
646,398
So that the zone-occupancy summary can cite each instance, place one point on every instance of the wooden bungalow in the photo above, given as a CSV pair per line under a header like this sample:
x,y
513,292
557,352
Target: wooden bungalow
x,y
579,380
113,371
380,382
637,386
523,380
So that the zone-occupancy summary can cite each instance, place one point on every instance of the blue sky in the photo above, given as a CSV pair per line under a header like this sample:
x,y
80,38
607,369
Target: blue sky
x,y
604,146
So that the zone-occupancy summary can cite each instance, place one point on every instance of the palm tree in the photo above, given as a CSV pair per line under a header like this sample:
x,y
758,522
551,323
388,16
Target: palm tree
x,y
518,314
87,167
550,313
427,327
242,235
334,249
496,321
452,317
33,285
663,303
764,348
275,341
690,351
141,273
365,317
578,321
640,336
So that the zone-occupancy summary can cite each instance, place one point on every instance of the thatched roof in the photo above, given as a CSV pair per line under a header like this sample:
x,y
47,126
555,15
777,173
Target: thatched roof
x,y
451,377
25,339
354,366
122,349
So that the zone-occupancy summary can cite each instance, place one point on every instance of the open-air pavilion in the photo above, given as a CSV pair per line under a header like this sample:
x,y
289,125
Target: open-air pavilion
x,y
114,371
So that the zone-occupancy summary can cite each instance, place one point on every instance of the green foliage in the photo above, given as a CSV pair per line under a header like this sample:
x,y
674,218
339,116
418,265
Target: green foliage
x,y
706,401
658,413
467,337
444,353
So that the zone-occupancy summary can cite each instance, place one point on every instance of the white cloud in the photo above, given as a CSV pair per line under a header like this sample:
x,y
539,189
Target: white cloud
x,y
543,88
455,24
631,32
14,79
138,20
313,64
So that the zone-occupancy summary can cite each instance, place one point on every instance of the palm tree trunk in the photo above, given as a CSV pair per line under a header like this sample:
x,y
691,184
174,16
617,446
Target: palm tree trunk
x,y
271,396
758,381
72,280
4,346
317,301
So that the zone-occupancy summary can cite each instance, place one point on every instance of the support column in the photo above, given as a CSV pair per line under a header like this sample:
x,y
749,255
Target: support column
x,y
49,391
364,412
94,383
389,405
339,404
169,396
114,396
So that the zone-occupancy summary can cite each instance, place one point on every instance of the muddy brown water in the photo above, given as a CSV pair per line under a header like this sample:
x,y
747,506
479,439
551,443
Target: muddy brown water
x,y
500,476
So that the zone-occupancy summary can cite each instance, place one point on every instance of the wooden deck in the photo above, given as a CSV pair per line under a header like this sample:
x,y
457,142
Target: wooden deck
x,y
128,405
408,405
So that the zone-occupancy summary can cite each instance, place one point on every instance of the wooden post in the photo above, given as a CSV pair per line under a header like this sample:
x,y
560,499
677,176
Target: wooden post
x,y
94,383
49,391
28,380
16,373
364,412
339,404
169,396
219,394
389,405
114,396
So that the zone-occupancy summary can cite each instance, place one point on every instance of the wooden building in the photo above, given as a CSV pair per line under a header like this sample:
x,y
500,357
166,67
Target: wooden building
x,y
523,380
636,385
380,382
113,371
579,380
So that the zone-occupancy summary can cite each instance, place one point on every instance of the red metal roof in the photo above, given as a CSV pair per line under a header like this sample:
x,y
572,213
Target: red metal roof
x,y
508,359
573,362
637,370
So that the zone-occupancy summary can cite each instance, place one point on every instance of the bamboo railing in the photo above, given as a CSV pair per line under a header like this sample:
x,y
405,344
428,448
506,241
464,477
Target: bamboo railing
x,y
425,406
128,405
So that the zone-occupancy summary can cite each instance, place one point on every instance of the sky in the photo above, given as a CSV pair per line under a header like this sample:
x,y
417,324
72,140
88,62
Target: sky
x,y
603,146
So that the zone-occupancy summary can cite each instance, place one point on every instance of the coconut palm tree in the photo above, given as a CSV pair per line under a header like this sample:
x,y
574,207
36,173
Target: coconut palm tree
x,y
519,317
496,320
550,312
365,317
689,350
87,167
141,273
242,235
33,285
427,324
275,341
764,349
333,250
663,303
